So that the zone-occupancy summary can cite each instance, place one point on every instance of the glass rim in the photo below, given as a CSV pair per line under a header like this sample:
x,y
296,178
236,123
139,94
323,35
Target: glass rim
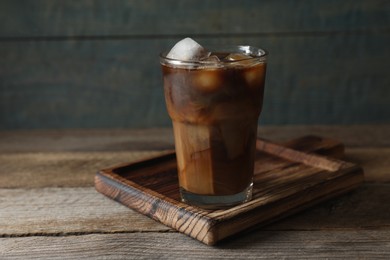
x,y
258,54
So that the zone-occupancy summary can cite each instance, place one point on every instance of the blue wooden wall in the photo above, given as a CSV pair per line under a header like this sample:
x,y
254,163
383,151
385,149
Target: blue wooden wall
x,y
84,64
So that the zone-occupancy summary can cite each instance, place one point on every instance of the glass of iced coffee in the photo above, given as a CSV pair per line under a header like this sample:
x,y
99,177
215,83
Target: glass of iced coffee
x,y
214,98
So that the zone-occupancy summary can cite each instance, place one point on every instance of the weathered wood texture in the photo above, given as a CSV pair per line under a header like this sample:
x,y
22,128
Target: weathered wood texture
x,y
74,169
94,63
346,244
66,211
70,158
66,169
52,211
286,179
58,223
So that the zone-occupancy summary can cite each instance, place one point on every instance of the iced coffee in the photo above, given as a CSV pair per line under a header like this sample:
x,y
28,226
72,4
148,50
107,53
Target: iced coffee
x,y
214,98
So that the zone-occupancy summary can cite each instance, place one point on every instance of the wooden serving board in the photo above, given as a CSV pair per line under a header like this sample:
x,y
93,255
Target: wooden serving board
x,y
288,178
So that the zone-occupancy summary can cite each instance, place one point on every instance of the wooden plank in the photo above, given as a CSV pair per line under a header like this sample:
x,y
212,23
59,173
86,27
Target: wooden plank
x,y
55,211
46,211
150,17
118,83
69,169
89,140
77,169
65,169
346,244
92,140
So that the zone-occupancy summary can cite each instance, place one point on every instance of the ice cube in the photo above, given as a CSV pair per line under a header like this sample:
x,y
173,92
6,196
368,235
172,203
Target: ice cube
x,y
211,59
211,62
254,76
240,59
207,80
237,57
188,50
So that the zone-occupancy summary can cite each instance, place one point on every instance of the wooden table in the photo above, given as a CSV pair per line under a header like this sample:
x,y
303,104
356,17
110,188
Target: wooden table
x,y
49,208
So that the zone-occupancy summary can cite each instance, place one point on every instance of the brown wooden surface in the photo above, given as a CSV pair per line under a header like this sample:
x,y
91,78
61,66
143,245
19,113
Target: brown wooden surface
x,y
287,179
59,215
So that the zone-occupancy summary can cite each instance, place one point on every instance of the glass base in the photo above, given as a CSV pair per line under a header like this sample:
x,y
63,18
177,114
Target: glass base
x,y
216,202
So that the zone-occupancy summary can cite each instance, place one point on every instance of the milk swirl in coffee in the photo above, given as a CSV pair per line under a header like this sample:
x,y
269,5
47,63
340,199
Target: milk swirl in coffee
x,y
214,99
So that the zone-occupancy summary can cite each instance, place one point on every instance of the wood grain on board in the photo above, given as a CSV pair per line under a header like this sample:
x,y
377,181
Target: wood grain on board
x,y
48,216
285,181
79,211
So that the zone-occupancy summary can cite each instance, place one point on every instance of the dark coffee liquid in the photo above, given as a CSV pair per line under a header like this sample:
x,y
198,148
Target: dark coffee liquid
x,y
215,110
